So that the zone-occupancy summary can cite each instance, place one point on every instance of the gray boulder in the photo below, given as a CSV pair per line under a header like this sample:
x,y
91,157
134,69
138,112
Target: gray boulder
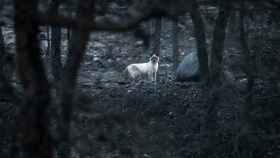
x,y
188,69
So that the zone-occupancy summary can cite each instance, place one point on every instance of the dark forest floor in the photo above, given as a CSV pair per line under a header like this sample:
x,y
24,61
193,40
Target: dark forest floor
x,y
157,122
168,120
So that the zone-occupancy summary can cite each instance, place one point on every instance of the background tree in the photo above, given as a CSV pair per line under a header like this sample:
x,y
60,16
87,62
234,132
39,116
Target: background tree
x,y
249,69
56,64
199,31
78,42
217,49
175,44
6,61
157,36
33,130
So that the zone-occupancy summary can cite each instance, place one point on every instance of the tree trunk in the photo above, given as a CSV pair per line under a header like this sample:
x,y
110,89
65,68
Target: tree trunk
x,y
3,52
157,35
69,33
49,42
56,64
6,88
248,68
56,53
176,52
33,132
2,44
216,65
211,124
199,31
79,39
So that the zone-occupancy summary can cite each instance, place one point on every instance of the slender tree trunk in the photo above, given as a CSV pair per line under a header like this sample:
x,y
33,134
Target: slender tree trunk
x,y
2,44
217,50
69,33
2,51
33,132
56,64
157,35
176,52
211,124
248,68
56,53
199,31
49,42
4,83
79,39
6,70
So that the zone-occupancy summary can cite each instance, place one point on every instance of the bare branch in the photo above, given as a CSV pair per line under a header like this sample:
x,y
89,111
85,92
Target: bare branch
x,y
136,13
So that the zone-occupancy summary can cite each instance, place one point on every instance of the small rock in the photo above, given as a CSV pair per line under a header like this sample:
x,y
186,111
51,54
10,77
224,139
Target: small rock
x,y
96,58
138,43
109,60
191,39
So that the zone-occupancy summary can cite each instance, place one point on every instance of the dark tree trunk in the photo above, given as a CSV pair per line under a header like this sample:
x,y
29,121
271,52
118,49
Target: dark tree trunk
x,y
199,31
211,124
33,133
248,68
143,35
216,65
69,33
56,53
211,119
78,41
6,88
2,53
56,64
49,42
2,44
176,52
157,35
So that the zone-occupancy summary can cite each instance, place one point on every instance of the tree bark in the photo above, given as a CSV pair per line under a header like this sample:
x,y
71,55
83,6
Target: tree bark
x,y
2,51
248,68
219,34
56,64
2,44
6,89
49,41
199,31
176,53
33,132
211,124
68,34
157,35
79,39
